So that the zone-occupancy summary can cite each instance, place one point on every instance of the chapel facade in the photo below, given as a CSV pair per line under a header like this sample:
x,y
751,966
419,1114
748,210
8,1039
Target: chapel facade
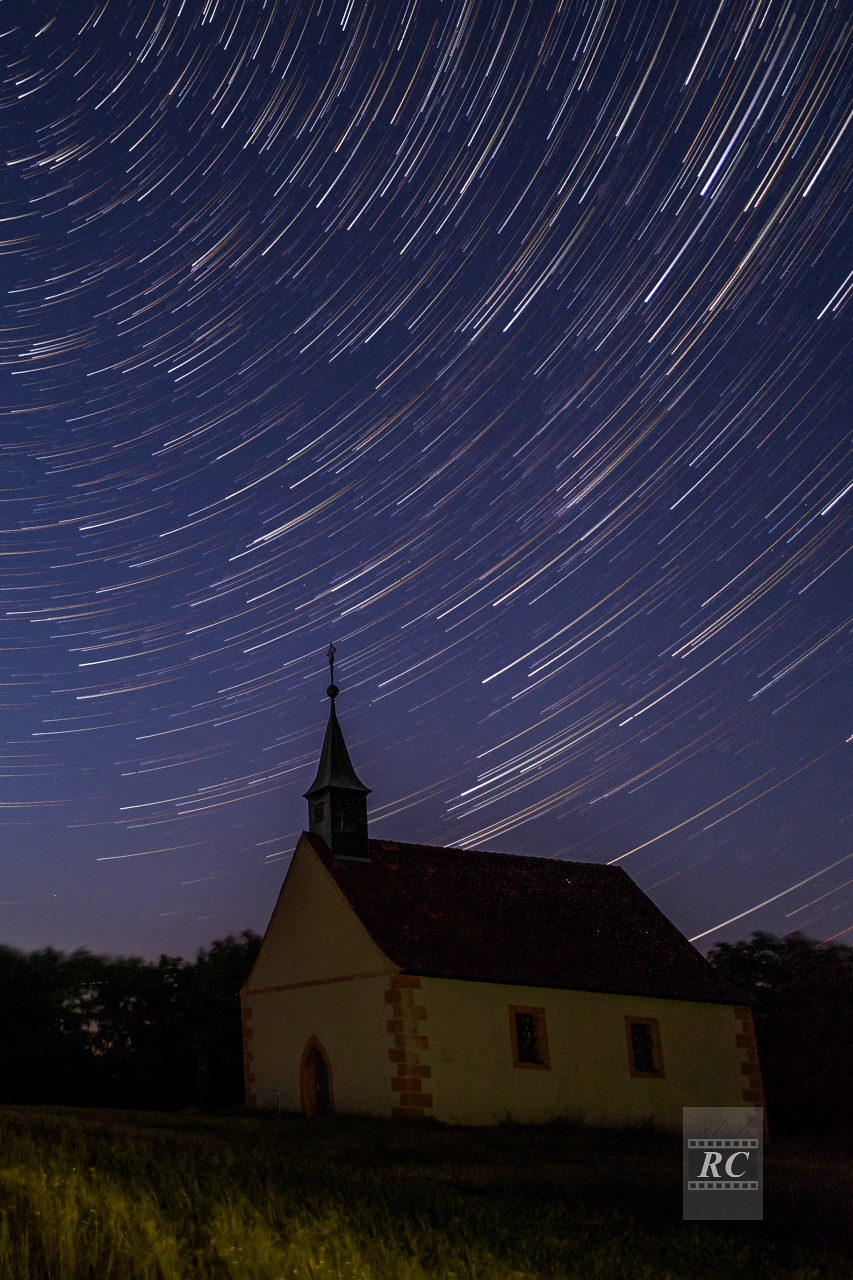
x,y
407,981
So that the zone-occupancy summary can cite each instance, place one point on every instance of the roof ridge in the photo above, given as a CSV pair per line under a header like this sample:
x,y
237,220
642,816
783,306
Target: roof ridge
x,y
493,853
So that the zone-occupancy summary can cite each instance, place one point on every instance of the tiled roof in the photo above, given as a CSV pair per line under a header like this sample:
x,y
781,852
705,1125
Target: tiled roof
x,y
492,917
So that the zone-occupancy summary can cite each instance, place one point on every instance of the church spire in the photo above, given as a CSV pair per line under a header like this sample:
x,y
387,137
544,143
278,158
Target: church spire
x,y
337,798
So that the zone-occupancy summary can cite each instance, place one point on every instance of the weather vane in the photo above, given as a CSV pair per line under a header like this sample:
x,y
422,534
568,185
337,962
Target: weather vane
x,y
333,689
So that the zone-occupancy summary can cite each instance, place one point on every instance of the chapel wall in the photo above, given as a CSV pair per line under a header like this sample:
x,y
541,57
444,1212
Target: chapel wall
x,y
708,1057
313,932
347,1017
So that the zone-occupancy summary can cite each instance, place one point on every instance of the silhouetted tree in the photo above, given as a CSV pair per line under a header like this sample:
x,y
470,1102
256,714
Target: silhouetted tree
x,y
137,1019
93,1031
40,1059
218,975
803,1006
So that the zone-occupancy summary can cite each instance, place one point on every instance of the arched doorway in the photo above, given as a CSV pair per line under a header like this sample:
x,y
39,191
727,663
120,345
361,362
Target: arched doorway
x,y
316,1080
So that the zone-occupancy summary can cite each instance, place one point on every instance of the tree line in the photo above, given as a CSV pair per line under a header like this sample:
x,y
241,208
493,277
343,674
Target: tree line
x,y
86,1030
91,1031
802,999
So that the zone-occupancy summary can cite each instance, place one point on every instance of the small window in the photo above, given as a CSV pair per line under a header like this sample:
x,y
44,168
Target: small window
x,y
525,1037
529,1037
318,812
644,1052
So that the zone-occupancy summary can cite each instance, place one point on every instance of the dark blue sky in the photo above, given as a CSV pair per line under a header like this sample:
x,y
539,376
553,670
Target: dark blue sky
x,y
509,346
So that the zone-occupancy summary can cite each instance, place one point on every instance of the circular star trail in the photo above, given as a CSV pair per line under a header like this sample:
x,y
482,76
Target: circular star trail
x,y
507,345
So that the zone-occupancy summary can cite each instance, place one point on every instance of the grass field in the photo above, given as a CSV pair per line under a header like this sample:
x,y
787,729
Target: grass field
x,y
96,1195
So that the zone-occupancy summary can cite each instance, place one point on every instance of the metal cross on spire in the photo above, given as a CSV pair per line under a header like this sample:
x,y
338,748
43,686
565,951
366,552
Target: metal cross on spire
x,y
337,798
333,689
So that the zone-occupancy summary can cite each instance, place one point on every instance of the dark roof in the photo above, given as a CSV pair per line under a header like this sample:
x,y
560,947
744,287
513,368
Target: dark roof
x,y
493,917
335,767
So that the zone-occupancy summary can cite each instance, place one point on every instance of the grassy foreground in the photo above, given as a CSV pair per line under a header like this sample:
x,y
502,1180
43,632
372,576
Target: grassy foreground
x,y
97,1195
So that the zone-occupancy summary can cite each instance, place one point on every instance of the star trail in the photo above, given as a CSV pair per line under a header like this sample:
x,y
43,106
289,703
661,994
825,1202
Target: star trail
x,y
506,344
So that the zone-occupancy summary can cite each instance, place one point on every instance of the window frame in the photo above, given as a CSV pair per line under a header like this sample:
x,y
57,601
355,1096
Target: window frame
x,y
657,1052
538,1014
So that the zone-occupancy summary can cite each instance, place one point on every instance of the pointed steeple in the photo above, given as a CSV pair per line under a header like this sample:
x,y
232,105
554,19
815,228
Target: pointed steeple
x,y
335,767
337,798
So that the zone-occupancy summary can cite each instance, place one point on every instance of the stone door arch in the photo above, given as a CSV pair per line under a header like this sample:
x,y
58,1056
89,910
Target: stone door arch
x,y
315,1079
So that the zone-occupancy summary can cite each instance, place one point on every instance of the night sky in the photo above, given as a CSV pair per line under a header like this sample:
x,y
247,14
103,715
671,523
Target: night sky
x,y
506,344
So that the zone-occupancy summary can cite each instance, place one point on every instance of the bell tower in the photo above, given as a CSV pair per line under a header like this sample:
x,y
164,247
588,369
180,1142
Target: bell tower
x,y
337,799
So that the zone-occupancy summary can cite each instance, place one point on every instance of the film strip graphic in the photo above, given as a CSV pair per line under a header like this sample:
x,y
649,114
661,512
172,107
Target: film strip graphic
x,y
728,1144
722,1186
722,1144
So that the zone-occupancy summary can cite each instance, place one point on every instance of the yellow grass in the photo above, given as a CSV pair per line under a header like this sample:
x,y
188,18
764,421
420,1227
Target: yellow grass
x,y
90,1196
